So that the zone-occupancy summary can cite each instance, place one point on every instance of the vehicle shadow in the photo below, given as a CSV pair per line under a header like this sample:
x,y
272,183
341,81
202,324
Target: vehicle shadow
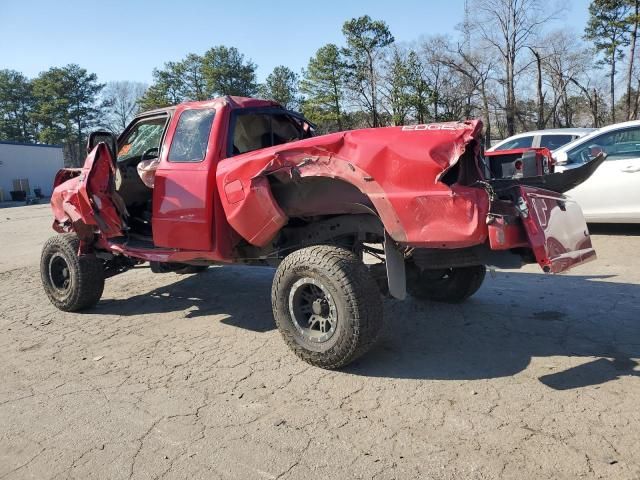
x,y
512,319
625,229
242,294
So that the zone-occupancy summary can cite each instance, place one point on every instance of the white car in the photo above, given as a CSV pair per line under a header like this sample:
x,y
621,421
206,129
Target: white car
x,y
612,193
551,139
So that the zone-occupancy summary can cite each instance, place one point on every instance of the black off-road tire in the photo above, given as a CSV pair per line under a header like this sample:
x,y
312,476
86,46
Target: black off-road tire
x,y
454,286
352,291
70,281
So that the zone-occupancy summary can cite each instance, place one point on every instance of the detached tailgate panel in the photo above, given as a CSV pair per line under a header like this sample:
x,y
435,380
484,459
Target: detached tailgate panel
x,y
556,229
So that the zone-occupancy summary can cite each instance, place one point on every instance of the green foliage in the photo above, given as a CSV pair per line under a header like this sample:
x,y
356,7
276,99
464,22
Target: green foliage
x,y
608,27
16,105
399,86
228,73
365,36
66,106
366,40
421,94
220,71
281,86
322,87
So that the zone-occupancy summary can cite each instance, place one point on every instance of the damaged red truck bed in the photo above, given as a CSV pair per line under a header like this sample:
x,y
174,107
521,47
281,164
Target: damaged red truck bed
x,y
239,180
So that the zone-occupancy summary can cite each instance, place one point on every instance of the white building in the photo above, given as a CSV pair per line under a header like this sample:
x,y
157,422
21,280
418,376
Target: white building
x,y
37,164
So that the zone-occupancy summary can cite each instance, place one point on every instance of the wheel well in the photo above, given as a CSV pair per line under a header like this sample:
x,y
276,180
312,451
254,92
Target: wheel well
x,y
315,196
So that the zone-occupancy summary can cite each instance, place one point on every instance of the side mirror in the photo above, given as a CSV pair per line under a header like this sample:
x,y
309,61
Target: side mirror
x,y
561,158
103,136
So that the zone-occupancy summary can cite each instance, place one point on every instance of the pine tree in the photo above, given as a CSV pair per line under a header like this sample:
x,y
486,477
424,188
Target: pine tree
x,y
608,29
366,40
16,106
323,87
66,106
281,86
226,72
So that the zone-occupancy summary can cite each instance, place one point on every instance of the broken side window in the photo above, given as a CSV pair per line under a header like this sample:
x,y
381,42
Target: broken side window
x,y
253,131
191,137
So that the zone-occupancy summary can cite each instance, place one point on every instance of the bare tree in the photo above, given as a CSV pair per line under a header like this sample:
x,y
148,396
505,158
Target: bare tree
x,y
593,93
509,26
634,19
476,66
566,59
121,99
433,49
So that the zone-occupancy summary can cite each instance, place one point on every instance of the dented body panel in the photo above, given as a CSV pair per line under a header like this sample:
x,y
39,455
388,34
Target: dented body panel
x,y
556,230
85,197
400,169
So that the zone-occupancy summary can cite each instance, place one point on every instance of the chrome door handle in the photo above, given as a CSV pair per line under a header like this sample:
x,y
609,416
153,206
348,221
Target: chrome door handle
x,y
630,169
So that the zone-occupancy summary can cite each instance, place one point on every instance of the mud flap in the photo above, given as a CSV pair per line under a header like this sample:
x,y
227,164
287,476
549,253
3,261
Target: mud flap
x,y
396,275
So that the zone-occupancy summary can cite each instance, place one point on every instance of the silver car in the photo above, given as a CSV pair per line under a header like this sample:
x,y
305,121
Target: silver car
x,y
551,139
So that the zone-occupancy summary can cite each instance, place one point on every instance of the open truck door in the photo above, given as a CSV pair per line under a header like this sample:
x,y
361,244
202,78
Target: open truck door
x,y
84,200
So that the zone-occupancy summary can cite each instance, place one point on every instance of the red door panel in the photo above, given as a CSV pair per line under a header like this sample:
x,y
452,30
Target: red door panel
x,y
185,190
183,211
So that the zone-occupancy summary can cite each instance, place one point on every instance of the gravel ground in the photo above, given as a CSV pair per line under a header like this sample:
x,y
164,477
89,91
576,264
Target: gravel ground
x,y
186,377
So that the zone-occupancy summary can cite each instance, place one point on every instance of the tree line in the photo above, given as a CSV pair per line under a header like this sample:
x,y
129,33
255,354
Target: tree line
x,y
505,64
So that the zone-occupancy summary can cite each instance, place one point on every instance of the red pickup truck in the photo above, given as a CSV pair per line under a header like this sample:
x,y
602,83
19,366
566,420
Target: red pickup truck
x,y
240,180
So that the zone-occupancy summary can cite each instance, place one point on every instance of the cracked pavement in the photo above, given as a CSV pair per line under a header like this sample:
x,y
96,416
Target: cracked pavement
x,y
186,377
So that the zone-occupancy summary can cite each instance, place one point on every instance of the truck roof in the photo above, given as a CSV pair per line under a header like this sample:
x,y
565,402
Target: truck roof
x,y
230,100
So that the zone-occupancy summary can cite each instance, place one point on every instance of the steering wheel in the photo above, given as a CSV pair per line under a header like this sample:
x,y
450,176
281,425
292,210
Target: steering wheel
x,y
147,153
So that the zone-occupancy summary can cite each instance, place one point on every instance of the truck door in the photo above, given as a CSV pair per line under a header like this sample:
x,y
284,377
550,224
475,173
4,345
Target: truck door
x,y
185,183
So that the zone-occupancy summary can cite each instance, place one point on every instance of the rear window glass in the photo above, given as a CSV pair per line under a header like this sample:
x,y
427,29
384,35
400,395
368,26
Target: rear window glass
x,y
555,141
253,131
522,142
191,138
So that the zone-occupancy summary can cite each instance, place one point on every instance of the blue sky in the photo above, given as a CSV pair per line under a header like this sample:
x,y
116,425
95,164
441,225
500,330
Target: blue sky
x,y
125,40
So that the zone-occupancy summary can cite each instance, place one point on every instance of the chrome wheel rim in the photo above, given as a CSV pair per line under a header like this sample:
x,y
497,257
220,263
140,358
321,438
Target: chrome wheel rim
x,y
313,310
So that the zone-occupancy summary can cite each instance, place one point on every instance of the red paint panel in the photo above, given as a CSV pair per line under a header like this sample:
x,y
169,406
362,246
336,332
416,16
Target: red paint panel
x,y
503,236
556,230
88,197
399,168
234,191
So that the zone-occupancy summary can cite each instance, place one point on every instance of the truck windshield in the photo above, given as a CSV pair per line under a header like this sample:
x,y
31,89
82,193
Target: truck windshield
x,y
144,135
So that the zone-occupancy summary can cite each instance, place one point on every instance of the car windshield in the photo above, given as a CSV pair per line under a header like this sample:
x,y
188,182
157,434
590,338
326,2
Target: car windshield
x,y
617,144
144,135
522,142
554,141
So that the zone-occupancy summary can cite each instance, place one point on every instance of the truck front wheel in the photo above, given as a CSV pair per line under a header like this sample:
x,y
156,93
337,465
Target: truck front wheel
x,y
71,282
326,305
451,285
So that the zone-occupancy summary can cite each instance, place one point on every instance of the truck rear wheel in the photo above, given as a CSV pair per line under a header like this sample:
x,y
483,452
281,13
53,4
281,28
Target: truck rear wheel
x,y
70,281
452,285
326,305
